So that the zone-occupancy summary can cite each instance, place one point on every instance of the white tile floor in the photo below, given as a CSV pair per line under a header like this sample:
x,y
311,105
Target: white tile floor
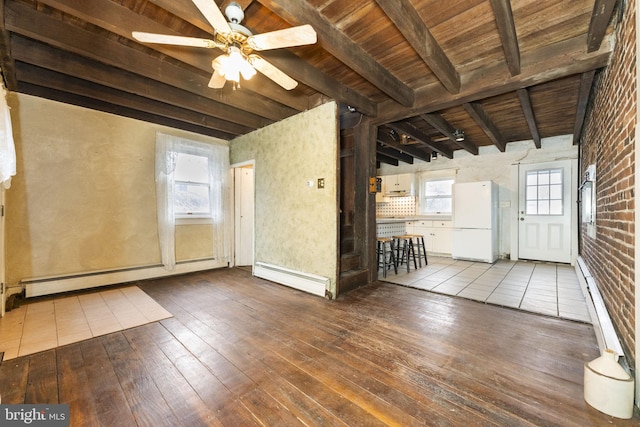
x,y
48,323
546,288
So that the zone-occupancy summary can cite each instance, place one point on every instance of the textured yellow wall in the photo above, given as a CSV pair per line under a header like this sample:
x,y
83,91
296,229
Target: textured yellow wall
x,y
295,226
84,199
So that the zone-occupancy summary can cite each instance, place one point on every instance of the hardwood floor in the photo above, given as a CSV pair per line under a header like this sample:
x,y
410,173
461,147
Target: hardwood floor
x,y
243,351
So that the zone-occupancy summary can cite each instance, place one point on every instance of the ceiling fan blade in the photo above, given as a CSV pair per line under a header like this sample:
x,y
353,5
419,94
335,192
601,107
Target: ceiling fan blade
x,y
217,80
213,14
272,72
295,36
175,40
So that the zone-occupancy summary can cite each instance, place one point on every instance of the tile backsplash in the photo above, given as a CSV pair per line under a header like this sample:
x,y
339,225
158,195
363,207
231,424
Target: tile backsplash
x,y
397,206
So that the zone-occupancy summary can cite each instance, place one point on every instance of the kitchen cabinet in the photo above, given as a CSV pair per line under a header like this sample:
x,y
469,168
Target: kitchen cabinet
x,y
398,185
437,234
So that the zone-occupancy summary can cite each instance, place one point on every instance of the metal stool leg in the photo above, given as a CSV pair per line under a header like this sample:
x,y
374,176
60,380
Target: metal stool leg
x,y
380,251
393,257
411,249
424,250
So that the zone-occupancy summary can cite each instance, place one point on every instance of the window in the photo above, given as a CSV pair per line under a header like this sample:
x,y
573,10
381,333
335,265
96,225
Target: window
x,y
192,186
437,196
544,192
191,183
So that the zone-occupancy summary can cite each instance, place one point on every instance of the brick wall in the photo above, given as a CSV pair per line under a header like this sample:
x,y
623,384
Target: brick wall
x,y
608,140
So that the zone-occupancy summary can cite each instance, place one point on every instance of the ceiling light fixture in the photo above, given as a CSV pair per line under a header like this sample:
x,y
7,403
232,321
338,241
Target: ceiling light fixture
x,y
434,155
458,135
232,65
238,44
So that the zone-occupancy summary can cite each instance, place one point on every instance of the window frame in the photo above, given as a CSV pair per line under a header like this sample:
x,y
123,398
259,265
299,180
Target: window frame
x,y
547,198
424,198
200,217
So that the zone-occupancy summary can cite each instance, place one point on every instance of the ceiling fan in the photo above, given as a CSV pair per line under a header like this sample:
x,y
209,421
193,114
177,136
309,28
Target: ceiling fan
x,y
238,44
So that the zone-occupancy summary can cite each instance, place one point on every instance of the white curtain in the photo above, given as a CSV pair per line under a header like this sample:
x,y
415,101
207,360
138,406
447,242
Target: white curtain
x,y
7,147
167,149
166,156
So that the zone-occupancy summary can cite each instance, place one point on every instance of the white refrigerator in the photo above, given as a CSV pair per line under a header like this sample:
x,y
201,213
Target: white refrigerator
x,y
475,221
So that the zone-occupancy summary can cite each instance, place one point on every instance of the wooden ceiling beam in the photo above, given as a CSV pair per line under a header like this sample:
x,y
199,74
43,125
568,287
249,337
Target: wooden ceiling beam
x,y
478,113
415,133
285,60
394,154
29,23
445,128
186,10
343,48
530,117
35,53
122,21
45,78
6,61
538,66
94,104
418,153
508,36
600,18
410,24
323,83
586,81
382,158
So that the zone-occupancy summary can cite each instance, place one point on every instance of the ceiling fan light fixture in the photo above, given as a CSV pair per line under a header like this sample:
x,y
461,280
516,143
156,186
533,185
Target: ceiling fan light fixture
x,y
238,44
234,64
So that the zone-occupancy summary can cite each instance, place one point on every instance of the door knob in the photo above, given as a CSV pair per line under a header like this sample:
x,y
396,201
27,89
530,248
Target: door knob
x,y
521,219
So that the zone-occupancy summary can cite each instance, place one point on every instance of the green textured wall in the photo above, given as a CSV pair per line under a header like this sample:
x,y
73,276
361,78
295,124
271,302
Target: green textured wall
x,y
295,226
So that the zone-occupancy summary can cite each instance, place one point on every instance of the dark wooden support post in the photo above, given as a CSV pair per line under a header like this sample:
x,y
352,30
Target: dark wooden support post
x,y
365,135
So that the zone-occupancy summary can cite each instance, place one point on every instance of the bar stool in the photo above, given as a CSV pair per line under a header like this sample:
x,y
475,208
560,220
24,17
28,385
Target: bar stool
x,y
386,255
418,241
404,245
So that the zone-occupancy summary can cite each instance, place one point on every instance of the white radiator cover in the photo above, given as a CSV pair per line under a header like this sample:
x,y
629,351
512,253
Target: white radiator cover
x,y
51,285
307,282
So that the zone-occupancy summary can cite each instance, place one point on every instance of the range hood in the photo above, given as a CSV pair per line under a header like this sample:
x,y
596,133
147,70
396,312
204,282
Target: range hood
x,y
397,193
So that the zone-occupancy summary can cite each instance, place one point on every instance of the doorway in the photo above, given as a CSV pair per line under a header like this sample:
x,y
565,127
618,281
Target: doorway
x,y
244,200
546,211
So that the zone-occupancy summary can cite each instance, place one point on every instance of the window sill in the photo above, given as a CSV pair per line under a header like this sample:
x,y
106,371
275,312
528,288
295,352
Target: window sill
x,y
193,221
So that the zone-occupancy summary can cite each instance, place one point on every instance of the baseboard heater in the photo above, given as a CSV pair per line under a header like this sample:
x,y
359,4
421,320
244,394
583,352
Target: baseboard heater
x,y
307,282
51,285
605,332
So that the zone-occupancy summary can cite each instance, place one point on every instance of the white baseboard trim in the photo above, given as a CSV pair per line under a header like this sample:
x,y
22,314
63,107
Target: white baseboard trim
x,y
606,334
51,285
307,282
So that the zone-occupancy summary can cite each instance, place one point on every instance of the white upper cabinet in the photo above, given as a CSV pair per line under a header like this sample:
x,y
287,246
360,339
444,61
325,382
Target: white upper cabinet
x,y
398,185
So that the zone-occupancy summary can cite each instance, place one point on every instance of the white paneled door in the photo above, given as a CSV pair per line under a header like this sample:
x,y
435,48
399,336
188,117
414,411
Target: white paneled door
x,y
545,211
244,214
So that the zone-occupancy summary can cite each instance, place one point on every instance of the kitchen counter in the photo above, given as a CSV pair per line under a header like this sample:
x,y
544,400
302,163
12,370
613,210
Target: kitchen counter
x,y
435,229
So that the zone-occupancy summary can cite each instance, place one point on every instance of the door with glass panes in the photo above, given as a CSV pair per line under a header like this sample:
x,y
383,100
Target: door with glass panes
x,y
544,211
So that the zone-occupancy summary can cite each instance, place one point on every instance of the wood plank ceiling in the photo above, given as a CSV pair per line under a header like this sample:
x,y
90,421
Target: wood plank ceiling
x,y
497,70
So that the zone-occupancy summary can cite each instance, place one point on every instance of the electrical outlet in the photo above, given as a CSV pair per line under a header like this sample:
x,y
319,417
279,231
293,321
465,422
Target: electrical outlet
x,y
320,182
